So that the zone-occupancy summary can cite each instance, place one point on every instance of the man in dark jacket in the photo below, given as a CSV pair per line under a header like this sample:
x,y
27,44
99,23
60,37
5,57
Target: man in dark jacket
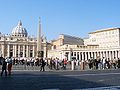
x,y
4,67
118,63
42,65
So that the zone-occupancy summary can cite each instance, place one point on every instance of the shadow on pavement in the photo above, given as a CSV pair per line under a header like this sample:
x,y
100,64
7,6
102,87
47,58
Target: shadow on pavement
x,y
46,80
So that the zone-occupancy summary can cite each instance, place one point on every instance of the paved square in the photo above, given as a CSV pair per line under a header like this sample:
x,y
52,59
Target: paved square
x,y
62,80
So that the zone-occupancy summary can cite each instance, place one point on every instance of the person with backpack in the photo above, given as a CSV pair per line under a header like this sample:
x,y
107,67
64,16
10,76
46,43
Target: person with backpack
x,y
4,67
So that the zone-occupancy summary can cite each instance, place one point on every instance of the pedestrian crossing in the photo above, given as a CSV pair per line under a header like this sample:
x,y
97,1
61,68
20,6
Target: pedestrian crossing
x,y
98,88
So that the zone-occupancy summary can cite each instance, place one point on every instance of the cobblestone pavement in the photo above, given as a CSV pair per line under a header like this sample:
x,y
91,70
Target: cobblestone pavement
x,y
62,80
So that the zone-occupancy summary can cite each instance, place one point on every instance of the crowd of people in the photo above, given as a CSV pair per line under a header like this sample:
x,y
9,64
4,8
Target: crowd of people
x,y
52,64
6,65
57,64
104,63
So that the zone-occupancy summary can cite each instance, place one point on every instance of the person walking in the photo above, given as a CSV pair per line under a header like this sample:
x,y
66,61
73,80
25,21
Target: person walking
x,y
118,65
4,67
9,61
42,68
104,63
114,62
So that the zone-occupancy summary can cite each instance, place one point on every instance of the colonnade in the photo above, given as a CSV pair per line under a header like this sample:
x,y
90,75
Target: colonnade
x,y
85,55
17,50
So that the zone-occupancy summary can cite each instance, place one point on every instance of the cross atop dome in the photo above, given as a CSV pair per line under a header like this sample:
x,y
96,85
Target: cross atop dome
x,y
20,23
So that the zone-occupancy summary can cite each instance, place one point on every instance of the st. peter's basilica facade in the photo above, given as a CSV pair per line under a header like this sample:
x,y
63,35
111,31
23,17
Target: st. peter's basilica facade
x,y
19,44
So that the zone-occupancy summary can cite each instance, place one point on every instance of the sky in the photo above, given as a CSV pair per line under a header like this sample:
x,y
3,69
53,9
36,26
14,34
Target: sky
x,y
71,17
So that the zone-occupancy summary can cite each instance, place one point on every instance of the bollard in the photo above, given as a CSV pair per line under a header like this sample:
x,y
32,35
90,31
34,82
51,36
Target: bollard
x,y
72,65
82,65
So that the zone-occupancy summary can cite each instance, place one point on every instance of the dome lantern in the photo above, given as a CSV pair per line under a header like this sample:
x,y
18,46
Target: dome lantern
x,y
20,23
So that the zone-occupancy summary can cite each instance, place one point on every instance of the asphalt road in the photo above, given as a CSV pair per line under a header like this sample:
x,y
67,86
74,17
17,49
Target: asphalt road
x,y
62,80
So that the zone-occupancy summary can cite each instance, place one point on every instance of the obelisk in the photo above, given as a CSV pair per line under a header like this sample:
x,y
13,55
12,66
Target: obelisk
x,y
39,39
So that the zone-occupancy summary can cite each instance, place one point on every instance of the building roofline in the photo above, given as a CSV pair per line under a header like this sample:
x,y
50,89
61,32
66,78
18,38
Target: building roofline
x,y
71,36
103,30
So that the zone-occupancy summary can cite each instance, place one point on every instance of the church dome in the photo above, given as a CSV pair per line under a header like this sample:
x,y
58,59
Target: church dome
x,y
19,30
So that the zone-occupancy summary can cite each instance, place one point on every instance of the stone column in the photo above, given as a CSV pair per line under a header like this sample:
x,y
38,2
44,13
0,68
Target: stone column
x,y
33,51
45,51
107,54
113,54
15,50
76,56
8,50
104,54
85,56
92,54
110,55
27,51
82,56
118,53
3,51
23,50
95,55
69,56
98,54
79,56
18,50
